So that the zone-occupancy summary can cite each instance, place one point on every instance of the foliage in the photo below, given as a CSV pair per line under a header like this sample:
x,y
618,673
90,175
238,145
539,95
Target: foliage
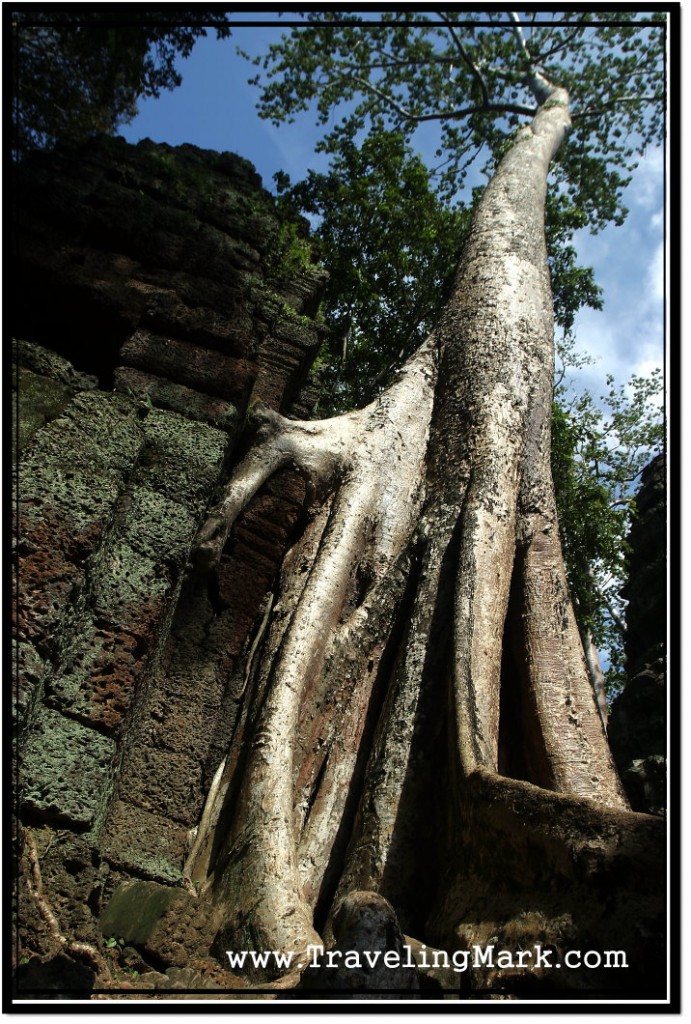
x,y
474,78
473,81
599,449
292,251
79,72
390,247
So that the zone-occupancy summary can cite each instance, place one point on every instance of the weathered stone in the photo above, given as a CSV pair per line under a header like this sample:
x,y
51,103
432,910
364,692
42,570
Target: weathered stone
x,y
31,673
46,363
183,458
157,527
135,908
96,432
165,314
97,679
172,260
65,771
40,399
196,367
108,229
145,843
153,390
166,783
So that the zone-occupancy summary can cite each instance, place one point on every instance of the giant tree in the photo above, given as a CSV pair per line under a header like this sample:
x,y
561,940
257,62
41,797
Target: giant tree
x,y
418,718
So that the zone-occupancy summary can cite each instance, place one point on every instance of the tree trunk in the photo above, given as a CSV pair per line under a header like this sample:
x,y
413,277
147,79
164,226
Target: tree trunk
x,y
419,720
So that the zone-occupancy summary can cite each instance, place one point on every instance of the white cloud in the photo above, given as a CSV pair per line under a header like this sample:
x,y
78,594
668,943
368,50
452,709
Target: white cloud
x,y
645,190
656,273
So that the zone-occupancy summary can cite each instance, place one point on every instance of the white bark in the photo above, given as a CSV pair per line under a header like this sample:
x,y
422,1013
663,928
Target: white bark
x,y
452,461
373,462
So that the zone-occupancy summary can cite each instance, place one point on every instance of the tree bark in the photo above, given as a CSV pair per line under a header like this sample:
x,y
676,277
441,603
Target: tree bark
x,y
422,674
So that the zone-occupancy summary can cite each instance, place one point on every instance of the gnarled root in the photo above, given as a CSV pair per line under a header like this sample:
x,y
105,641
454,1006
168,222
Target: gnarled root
x,y
535,869
372,464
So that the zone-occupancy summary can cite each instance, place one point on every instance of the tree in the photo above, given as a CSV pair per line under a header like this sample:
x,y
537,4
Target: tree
x,y
599,450
390,246
419,721
77,73
388,240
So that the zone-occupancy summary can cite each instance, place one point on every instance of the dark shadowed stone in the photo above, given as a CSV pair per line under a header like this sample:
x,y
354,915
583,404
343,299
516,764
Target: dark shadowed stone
x,y
144,842
135,909
364,923
637,727
645,780
191,365
60,974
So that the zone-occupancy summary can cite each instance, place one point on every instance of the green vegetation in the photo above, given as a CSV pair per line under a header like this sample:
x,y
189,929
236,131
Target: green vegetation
x,y
78,73
599,449
390,247
390,229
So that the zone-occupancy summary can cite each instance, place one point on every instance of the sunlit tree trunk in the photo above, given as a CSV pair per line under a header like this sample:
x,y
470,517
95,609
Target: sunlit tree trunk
x,y
422,681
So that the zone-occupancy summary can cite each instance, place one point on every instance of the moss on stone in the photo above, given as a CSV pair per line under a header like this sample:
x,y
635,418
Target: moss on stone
x,y
39,400
135,909
66,771
183,459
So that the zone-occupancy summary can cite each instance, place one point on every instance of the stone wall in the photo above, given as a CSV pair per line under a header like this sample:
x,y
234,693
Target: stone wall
x,y
638,721
159,295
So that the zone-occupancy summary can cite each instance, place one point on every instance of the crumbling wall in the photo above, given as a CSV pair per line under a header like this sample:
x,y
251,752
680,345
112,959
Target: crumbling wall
x,y
638,721
159,296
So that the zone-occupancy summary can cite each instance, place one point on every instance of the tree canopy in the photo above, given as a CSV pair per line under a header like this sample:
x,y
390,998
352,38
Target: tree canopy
x,y
391,228
80,72
376,83
471,76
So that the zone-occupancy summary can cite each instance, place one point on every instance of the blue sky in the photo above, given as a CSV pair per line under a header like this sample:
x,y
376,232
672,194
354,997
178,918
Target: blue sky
x,y
214,108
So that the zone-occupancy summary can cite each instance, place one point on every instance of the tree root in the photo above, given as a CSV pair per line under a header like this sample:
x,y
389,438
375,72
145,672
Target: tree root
x,y
371,463
34,885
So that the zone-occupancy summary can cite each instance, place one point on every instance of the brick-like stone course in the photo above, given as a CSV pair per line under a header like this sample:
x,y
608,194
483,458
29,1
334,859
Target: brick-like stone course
x,y
159,271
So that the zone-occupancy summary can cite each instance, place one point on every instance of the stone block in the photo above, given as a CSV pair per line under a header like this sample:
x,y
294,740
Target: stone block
x,y
195,366
144,843
183,459
31,671
97,431
167,783
154,390
98,676
39,400
135,909
157,527
65,771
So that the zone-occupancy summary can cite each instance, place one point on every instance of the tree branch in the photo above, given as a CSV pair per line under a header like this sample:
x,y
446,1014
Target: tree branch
x,y
520,37
539,85
460,112
613,103
540,58
470,64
